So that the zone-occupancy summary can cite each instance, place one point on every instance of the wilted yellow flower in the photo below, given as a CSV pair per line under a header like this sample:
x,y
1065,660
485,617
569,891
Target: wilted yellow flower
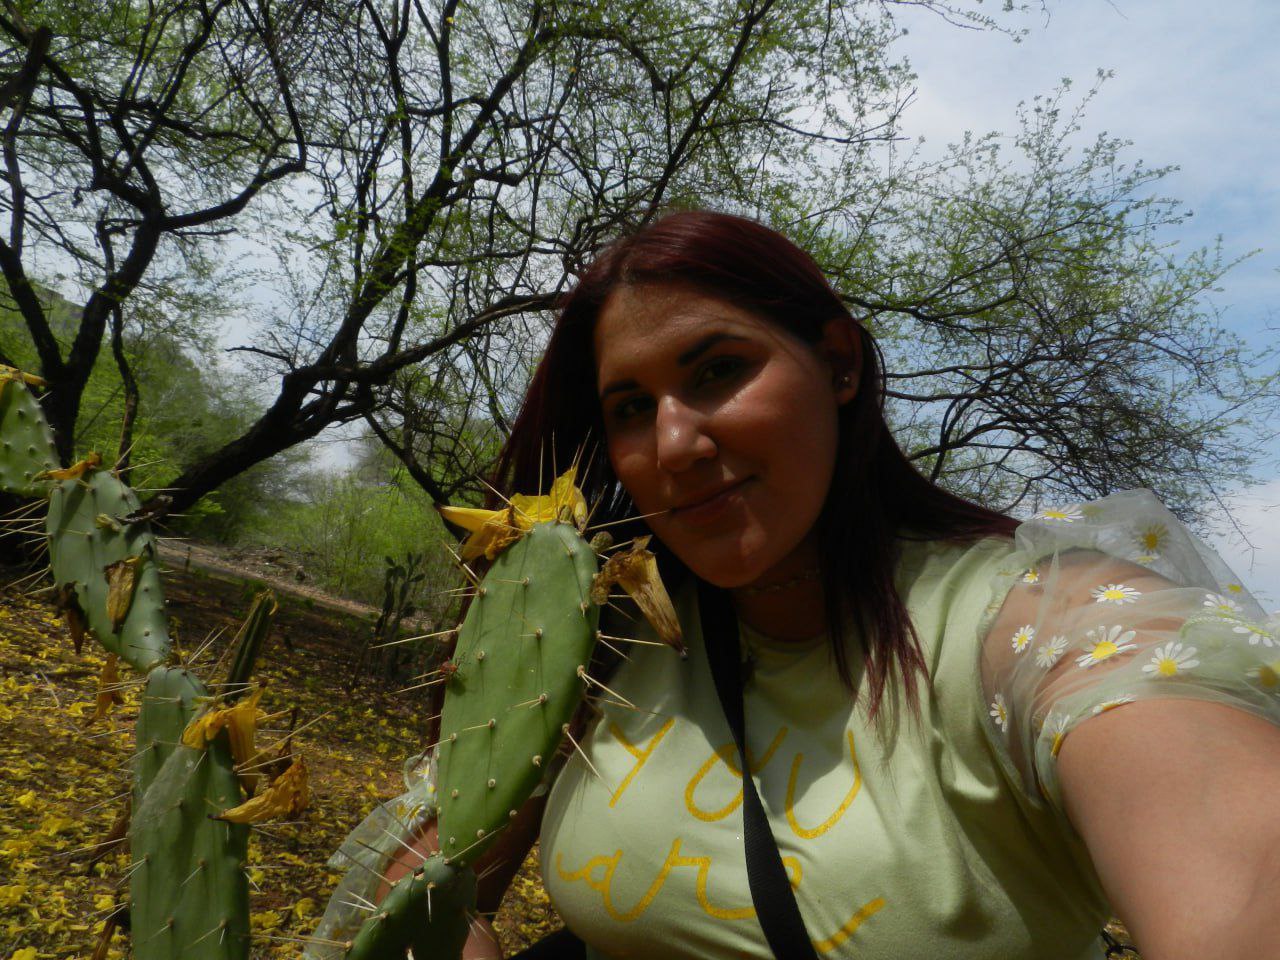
x,y
73,472
108,690
492,531
13,373
286,796
240,722
122,580
636,571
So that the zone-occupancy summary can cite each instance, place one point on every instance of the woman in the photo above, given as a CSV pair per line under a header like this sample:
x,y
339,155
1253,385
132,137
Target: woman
x,y
930,687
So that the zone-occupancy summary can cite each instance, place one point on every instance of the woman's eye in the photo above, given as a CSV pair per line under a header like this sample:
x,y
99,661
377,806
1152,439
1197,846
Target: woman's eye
x,y
719,369
632,406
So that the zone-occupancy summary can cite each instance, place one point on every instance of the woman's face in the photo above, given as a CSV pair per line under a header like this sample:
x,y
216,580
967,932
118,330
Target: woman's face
x,y
723,424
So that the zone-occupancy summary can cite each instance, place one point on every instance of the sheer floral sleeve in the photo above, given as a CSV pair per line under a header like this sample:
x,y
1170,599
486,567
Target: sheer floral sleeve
x,y
1110,602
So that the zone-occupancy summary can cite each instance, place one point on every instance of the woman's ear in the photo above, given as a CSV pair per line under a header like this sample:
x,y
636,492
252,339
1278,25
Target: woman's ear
x,y
841,346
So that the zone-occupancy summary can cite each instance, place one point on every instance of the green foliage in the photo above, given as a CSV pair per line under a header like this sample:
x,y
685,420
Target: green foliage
x,y
191,404
514,683
346,524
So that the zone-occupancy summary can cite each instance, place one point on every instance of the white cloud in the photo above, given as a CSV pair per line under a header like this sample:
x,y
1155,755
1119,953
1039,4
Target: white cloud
x,y
1251,547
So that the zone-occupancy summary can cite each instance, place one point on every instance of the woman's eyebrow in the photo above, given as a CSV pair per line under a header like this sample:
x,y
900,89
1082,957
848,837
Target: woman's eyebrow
x,y
686,358
703,345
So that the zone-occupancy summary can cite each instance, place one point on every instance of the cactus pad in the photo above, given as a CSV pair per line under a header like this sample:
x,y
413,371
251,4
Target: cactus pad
x,y
427,910
88,533
26,443
516,683
189,893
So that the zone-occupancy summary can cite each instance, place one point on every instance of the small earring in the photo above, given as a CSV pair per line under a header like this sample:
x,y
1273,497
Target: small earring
x,y
844,381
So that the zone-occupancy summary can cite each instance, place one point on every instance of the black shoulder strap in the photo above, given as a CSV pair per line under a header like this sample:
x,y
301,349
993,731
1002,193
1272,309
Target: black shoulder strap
x,y
771,892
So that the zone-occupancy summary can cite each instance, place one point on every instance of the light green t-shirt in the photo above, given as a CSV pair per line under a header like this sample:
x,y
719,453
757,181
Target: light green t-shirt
x,y
902,842
903,838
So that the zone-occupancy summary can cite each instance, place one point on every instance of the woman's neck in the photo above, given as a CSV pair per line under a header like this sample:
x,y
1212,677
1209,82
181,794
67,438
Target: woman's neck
x,y
787,603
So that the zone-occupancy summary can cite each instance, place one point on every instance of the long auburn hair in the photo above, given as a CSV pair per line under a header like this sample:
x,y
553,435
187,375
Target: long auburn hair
x,y
876,494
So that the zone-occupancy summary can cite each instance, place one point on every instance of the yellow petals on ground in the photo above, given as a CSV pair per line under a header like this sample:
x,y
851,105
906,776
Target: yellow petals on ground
x,y
636,571
240,722
492,531
286,796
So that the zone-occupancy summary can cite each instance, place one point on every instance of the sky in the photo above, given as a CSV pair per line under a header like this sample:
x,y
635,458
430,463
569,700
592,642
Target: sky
x,y
1191,89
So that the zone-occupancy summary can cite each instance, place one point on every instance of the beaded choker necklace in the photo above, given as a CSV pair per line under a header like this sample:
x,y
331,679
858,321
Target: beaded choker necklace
x,y
803,577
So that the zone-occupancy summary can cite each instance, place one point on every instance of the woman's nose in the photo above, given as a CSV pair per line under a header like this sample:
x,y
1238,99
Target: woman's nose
x,y
682,439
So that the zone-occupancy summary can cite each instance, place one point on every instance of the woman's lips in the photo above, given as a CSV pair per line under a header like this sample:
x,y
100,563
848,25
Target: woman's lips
x,y
708,511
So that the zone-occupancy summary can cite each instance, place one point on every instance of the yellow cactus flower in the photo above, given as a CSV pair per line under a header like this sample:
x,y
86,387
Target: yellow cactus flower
x,y
73,472
13,373
636,571
240,721
286,796
492,531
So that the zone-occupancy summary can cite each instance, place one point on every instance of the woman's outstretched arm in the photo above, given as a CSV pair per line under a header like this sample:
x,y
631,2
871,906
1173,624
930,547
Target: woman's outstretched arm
x,y
1176,800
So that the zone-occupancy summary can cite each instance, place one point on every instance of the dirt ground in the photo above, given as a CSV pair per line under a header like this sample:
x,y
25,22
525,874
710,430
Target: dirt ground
x,y
63,780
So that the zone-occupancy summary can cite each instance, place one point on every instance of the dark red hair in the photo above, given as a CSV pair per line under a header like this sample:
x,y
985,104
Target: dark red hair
x,y
876,494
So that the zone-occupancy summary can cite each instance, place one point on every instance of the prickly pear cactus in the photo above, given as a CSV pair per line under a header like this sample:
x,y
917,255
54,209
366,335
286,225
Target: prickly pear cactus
x,y
515,683
189,892
518,675
169,702
26,443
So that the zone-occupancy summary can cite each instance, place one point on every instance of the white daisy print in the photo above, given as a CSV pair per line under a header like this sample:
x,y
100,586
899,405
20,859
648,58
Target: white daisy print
x,y
1057,725
1104,643
1171,659
1051,651
1257,634
1023,638
1060,514
1267,676
1031,575
1146,559
1223,606
1152,538
1117,593
1000,713
1112,704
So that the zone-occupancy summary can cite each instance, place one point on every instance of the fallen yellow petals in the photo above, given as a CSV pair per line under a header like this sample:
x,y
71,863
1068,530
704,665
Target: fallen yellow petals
x,y
636,571
286,796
